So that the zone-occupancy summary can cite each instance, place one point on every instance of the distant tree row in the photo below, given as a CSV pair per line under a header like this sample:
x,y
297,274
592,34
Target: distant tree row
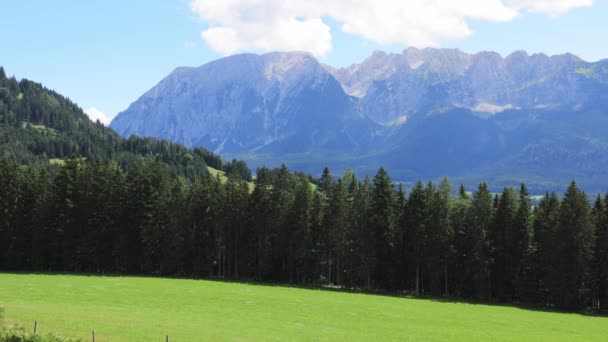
x,y
366,234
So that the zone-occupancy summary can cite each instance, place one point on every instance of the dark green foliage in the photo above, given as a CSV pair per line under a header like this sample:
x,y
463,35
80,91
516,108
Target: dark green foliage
x,y
481,216
238,166
37,124
96,217
574,251
601,253
381,225
544,257
142,206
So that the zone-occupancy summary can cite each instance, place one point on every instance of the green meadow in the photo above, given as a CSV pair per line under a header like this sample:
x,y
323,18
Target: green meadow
x,y
148,309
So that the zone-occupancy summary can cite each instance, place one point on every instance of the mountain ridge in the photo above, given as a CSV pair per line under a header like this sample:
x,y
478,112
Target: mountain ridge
x,y
389,110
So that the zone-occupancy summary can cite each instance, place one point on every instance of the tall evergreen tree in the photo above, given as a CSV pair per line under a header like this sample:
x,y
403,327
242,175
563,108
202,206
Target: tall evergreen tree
x,y
601,257
524,288
9,201
544,247
502,239
300,243
381,222
480,258
260,214
460,219
334,230
417,234
574,241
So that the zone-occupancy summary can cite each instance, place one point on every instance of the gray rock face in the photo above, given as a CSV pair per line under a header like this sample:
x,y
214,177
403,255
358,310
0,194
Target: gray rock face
x,y
422,114
275,102
396,85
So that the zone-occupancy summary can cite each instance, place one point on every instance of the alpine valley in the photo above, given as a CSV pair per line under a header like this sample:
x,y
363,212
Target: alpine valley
x,y
422,114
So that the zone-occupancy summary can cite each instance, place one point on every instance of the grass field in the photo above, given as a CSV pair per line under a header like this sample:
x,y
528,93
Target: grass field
x,y
147,309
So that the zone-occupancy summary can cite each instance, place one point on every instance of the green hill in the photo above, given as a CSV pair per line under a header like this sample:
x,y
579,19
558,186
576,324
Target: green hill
x,y
40,126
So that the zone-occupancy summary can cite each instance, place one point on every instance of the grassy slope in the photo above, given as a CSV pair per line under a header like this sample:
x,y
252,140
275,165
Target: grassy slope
x,y
129,308
251,185
224,178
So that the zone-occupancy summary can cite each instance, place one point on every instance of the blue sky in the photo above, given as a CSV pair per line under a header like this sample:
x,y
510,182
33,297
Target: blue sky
x,y
105,54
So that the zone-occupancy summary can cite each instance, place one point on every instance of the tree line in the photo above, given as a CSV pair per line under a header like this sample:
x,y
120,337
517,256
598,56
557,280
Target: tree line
x,y
371,234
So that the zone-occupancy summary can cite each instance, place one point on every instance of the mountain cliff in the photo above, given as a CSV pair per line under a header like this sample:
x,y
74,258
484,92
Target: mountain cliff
x,y
277,102
423,113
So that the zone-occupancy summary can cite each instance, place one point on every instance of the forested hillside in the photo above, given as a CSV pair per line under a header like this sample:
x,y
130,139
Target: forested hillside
x,y
142,206
38,125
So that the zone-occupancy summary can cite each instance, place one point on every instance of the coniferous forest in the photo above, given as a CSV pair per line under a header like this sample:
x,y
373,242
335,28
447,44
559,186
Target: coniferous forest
x,y
144,206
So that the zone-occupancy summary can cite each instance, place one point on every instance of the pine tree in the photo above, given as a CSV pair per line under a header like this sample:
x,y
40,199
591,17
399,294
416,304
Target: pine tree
x,y
544,248
260,213
480,258
502,240
65,225
362,246
326,182
282,198
299,219
446,231
9,200
400,232
202,215
601,254
334,227
315,246
381,222
524,289
574,241
460,220
236,198
417,234
351,244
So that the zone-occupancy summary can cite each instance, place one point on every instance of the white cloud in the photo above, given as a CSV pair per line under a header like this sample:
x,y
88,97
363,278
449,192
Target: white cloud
x,y
236,25
95,114
552,8
491,108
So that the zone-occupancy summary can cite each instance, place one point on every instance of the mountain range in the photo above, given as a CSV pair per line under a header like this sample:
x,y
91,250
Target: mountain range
x,y
423,113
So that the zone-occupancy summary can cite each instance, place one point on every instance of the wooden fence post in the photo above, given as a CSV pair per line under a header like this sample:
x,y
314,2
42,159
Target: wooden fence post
x,y
35,327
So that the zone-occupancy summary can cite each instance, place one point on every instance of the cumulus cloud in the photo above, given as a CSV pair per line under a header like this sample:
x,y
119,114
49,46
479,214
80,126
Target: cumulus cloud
x,y
95,114
236,25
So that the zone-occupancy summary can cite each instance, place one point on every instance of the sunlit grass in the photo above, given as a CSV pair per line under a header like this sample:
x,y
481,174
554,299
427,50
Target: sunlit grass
x,y
132,308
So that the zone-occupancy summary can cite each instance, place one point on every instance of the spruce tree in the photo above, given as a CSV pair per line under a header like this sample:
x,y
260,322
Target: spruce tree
x,y
522,236
601,254
480,258
9,200
574,241
381,223
260,216
502,240
417,234
544,248
299,219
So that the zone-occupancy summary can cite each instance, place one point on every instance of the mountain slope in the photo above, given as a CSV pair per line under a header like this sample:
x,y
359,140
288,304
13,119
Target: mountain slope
x,y
420,80
38,125
278,102
423,114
